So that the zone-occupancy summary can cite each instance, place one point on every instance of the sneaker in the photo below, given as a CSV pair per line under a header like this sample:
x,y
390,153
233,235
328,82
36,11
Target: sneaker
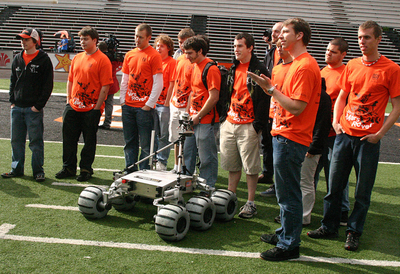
x,y
344,218
279,254
262,179
174,171
270,238
161,166
247,211
11,174
84,176
322,233
65,173
270,192
40,177
352,241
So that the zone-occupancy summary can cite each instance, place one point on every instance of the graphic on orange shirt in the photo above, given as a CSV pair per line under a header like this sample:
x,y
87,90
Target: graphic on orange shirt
x,y
182,77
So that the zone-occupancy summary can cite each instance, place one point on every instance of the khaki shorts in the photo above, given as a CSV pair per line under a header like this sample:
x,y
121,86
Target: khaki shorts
x,y
240,147
174,122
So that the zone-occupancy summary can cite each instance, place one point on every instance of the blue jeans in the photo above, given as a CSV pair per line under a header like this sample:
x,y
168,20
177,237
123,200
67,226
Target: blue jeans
x,y
161,123
288,158
204,143
108,109
324,163
137,126
349,151
24,120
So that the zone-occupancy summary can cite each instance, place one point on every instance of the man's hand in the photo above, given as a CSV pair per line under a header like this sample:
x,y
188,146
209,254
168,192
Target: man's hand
x,y
371,138
263,81
196,119
308,155
337,128
34,109
146,108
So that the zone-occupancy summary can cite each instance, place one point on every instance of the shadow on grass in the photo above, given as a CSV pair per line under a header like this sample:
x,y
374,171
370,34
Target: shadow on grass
x,y
14,188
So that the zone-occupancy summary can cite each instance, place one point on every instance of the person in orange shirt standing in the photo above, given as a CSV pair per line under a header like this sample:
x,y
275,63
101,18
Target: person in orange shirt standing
x,y
165,46
359,122
203,108
89,80
141,85
292,129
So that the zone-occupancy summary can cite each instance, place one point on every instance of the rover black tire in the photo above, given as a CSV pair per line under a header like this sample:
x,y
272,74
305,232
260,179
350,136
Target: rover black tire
x,y
201,211
90,203
225,203
172,222
125,203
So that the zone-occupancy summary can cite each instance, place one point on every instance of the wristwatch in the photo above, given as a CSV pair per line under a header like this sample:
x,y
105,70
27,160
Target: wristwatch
x,y
271,90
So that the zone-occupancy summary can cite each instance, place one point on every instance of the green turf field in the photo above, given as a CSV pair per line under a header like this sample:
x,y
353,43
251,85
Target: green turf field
x,y
18,255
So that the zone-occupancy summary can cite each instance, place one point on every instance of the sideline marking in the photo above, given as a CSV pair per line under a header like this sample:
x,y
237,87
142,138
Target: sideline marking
x,y
77,185
5,228
71,208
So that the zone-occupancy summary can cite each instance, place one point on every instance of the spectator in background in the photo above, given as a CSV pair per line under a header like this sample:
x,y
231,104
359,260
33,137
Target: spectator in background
x,y
31,84
114,88
165,47
141,85
182,36
89,80
63,47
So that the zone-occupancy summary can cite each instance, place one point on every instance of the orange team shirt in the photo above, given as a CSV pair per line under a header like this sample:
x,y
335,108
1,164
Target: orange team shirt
x,y
276,57
29,57
182,77
278,76
369,89
331,76
303,82
199,92
88,74
169,65
141,65
241,109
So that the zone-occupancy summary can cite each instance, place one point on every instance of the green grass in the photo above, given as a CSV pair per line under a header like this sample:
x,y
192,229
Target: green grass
x,y
59,87
379,242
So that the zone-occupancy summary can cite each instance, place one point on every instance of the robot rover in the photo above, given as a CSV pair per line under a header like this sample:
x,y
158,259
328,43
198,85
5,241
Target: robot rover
x,y
174,216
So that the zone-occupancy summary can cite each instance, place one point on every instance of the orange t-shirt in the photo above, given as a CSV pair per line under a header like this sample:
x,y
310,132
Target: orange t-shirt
x,y
199,92
369,89
331,76
169,65
141,65
276,57
303,82
241,109
278,76
29,57
182,77
88,74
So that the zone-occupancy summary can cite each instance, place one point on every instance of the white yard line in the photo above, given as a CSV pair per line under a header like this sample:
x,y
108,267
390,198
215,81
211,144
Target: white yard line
x,y
5,228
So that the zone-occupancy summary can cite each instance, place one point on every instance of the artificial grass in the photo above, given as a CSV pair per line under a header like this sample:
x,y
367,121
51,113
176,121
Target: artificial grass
x,y
379,242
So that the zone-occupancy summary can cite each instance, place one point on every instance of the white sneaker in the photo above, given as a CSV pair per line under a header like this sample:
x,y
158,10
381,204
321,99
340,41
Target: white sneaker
x,y
161,166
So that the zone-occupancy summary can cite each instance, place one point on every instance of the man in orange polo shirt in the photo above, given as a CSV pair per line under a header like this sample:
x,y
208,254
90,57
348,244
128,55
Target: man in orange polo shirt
x,y
292,129
141,85
88,83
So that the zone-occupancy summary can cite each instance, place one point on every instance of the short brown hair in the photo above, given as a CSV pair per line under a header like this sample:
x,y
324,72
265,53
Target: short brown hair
x,y
249,40
89,31
341,43
145,27
186,33
372,25
166,40
300,25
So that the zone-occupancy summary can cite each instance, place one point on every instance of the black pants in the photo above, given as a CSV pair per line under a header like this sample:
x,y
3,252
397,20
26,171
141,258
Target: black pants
x,y
75,123
268,160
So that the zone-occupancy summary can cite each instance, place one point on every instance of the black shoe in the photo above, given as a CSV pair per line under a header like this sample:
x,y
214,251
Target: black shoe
x,y
104,127
352,241
322,233
344,218
270,238
279,254
11,174
84,176
40,177
270,192
262,179
65,173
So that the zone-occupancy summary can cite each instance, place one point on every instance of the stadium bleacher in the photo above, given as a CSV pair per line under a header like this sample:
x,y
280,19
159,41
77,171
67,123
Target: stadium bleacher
x,y
329,19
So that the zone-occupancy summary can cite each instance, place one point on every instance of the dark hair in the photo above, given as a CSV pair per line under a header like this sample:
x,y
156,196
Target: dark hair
x,y
207,39
166,40
89,31
186,33
196,43
145,27
341,43
247,37
374,25
300,25
102,46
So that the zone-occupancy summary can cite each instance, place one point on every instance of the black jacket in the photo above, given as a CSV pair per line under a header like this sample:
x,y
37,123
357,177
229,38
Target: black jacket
x,y
269,59
31,85
260,100
322,123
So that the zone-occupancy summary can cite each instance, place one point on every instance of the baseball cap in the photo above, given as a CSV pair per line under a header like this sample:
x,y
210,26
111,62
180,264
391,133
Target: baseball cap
x,y
30,33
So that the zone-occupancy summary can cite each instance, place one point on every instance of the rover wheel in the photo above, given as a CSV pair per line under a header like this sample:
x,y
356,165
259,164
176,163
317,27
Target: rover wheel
x,y
91,203
201,211
172,222
225,203
124,203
